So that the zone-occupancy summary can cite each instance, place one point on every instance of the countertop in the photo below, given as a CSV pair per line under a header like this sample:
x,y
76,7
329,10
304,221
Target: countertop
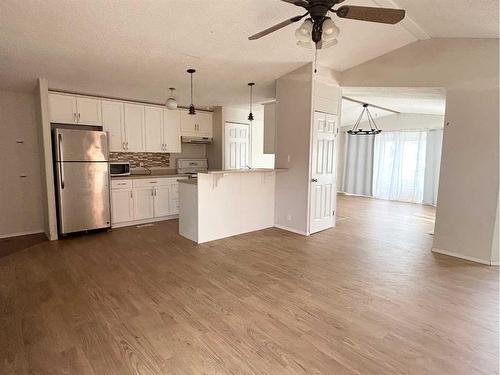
x,y
189,181
152,175
245,170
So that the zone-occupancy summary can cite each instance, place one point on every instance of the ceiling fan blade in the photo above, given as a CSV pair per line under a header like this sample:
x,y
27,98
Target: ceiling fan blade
x,y
299,3
381,15
276,27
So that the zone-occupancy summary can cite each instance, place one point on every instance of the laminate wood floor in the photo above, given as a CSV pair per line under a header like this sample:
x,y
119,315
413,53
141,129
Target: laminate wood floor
x,y
367,297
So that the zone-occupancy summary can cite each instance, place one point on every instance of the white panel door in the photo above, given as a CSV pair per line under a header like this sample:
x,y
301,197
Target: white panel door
x,y
323,191
172,130
162,201
143,203
89,111
62,109
153,128
205,124
122,203
112,122
237,146
134,127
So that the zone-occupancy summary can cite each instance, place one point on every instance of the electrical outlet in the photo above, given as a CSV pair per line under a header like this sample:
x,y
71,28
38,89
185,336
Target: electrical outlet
x,y
289,217
289,158
141,164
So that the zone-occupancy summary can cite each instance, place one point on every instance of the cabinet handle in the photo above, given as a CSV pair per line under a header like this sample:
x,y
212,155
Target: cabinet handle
x,y
75,118
124,146
78,116
131,196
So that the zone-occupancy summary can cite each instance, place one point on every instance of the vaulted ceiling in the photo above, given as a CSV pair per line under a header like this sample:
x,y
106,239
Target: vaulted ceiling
x,y
137,49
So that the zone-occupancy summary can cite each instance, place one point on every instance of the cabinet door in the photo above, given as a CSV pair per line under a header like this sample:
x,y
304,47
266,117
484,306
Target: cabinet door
x,y
122,206
62,109
162,201
134,127
205,124
172,130
143,203
112,122
174,199
89,111
153,123
189,124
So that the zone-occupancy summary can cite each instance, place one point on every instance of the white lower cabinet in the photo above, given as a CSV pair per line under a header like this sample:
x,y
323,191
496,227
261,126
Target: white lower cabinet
x,y
123,205
143,203
137,201
162,201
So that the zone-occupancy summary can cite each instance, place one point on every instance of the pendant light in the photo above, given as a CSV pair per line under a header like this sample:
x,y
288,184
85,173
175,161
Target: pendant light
x,y
171,102
373,127
192,111
250,115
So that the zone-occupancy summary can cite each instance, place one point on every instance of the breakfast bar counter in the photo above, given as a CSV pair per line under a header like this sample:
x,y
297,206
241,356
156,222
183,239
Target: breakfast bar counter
x,y
225,203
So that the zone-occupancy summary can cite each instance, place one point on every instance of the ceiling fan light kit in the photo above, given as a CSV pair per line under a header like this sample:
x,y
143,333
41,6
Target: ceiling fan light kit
x,y
320,29
356,130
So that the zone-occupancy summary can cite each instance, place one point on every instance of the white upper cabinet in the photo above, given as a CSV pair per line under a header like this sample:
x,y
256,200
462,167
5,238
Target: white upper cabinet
x,y
134,127
198,125
153,121
62,109
172,130
89,111
205,124
112,122
71,109
188,123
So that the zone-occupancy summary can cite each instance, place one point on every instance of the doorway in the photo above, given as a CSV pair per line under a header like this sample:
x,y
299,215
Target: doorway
x,y
237,146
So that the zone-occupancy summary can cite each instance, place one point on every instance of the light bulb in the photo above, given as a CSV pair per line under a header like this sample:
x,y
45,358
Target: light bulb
x,y
330,30
171,103
303,33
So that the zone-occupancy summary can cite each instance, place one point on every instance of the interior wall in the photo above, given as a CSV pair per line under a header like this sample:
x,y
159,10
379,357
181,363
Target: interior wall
x,y
293,116
20,184
188,151
469,178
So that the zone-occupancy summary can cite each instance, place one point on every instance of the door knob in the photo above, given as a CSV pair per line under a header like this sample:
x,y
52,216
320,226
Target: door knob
x,y
314,180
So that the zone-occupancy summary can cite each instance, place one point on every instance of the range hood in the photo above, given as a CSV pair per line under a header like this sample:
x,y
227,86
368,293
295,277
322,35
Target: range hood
x,y
197,140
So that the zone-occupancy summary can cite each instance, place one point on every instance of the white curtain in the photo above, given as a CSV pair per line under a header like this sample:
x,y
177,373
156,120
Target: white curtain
x,y
399,165
432,165
359,165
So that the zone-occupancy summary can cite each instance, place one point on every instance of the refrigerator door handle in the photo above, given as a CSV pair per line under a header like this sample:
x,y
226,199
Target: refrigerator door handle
x,y
59,150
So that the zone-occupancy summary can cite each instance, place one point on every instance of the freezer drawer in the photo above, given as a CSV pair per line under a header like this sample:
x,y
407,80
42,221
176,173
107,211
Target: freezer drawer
x,y
83,196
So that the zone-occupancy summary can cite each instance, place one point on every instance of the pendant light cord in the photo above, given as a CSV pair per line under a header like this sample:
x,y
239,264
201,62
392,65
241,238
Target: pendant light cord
x,y
315,58
191,88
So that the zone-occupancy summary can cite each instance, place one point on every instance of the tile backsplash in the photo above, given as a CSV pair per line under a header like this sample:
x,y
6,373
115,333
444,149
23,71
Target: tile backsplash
x,y
150,159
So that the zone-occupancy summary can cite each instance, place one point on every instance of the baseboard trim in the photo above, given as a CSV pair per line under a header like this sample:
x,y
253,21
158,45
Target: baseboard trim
x,y
291,230
457,255
18,234
144,221
496,264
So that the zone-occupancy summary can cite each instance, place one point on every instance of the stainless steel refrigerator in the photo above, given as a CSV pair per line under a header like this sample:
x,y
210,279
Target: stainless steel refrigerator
x,y
82,177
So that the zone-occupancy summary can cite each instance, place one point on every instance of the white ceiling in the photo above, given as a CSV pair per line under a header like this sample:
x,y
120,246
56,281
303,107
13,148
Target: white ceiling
x,y
454,18
137,49
421,100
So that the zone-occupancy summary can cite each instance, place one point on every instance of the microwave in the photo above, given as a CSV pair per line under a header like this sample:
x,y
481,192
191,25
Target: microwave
x,y
120,168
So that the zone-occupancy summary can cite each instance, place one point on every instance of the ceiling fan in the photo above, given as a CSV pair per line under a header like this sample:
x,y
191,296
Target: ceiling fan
x,y
321,29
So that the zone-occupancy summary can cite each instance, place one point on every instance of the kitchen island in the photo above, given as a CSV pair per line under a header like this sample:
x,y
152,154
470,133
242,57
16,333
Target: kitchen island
x,y
225,203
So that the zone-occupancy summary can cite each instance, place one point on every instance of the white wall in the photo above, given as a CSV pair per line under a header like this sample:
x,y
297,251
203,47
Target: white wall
x,y
469,179
293,116
20,198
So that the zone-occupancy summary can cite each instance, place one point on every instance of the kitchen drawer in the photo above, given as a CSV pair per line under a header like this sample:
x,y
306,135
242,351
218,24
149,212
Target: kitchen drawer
x,y
151,182
121,184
